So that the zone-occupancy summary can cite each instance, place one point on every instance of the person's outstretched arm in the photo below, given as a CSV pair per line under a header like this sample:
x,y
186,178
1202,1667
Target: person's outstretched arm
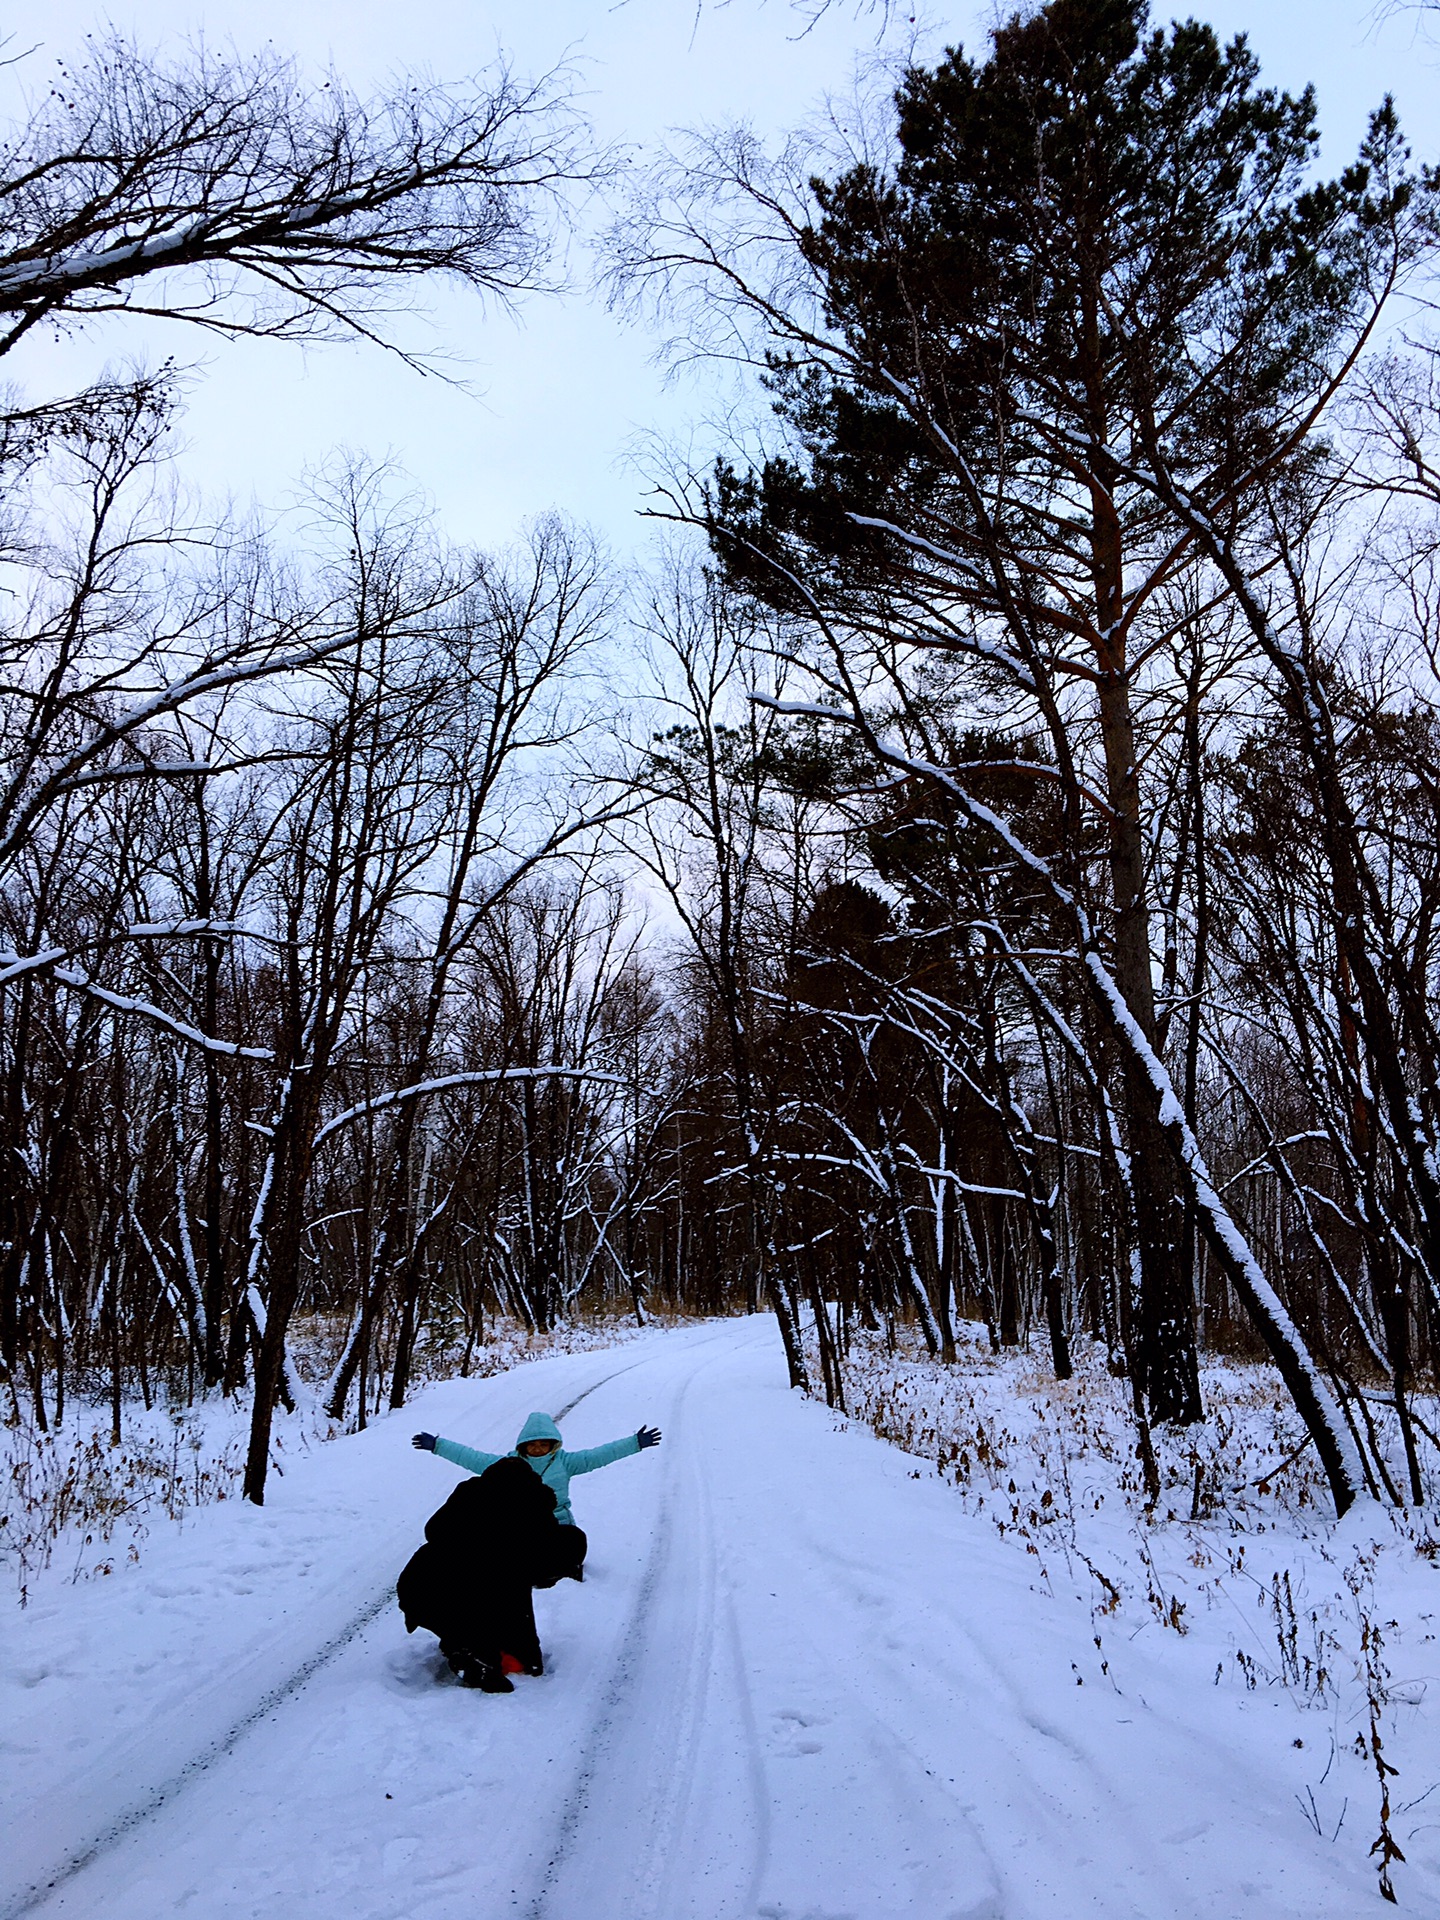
x,y
587,1459
470,1458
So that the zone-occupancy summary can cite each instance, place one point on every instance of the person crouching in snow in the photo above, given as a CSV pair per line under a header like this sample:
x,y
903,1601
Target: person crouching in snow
x,y
471,1584
541,1445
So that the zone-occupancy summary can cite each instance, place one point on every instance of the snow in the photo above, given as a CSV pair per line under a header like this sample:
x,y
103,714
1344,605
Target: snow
x,y
14,964
802,1681
446,1081
54,267
125,1003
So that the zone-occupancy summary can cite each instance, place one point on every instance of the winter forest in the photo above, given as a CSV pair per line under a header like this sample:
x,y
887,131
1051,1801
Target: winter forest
x,y
957,902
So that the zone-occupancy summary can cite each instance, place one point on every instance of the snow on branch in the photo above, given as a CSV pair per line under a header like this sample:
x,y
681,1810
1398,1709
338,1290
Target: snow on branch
x,y
124,1003
13,965
306,198
137,770
446,1081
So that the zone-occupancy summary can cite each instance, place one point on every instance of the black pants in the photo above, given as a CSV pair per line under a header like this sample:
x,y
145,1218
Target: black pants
x,y
570,1554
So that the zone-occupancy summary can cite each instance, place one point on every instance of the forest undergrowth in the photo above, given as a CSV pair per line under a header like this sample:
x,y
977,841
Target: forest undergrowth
x,y
1324,1633
77,1504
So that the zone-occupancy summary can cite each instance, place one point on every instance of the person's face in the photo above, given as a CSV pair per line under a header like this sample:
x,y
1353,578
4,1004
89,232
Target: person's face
x,y
537,1449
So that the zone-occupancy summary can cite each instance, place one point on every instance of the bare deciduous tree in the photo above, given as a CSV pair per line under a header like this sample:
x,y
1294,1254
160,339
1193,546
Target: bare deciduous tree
x,y
237,195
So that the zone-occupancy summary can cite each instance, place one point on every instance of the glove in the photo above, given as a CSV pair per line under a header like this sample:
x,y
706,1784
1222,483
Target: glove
x,y
648,1437
425,1442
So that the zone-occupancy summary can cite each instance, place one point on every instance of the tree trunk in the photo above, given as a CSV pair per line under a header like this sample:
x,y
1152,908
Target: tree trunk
x,y
1169,1374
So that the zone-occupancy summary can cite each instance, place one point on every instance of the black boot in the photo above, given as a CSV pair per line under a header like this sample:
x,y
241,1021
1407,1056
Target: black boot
x,y
489,1679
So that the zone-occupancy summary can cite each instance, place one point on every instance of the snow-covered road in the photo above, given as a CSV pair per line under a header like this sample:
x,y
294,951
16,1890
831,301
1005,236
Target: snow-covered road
x,y
798,1684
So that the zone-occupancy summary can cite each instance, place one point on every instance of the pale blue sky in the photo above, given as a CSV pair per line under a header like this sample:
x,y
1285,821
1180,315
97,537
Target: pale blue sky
x,y
560,393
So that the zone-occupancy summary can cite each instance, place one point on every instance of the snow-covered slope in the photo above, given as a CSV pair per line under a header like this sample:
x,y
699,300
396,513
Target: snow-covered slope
x,y
799,1683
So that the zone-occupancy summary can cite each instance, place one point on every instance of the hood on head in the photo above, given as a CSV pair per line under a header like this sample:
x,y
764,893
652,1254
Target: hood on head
x,y
538,1427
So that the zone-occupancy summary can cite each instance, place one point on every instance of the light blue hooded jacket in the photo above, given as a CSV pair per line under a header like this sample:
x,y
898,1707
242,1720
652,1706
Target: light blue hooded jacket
x,y
555,1469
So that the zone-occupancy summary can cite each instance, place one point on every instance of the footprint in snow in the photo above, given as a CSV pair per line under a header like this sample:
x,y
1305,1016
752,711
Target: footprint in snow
x,y
1185,1834
789,1722
415,1670
400,1855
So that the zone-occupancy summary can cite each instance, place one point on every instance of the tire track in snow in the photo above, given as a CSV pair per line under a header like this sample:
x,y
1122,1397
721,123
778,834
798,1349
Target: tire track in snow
x,y
671,1829
126,1823
874,1829
1030,1760
658,1859
750,1727
662,1801
617,1687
